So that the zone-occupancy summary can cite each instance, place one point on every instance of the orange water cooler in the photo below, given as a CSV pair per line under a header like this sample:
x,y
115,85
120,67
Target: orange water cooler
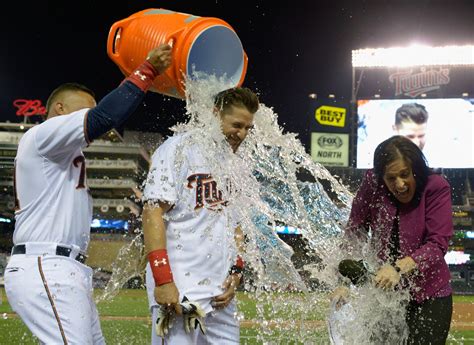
x,y
202,44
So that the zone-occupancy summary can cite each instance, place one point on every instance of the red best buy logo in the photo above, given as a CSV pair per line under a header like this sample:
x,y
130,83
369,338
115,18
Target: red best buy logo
x,y
331,116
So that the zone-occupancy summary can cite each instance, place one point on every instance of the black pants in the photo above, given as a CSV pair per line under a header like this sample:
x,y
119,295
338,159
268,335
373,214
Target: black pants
x,y
429,322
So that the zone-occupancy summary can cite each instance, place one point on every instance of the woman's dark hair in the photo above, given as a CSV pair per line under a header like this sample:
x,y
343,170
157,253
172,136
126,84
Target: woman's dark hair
x,y
400,147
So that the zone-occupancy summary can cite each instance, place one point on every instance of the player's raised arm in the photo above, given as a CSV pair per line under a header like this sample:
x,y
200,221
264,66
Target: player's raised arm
x,y
115,108
56,138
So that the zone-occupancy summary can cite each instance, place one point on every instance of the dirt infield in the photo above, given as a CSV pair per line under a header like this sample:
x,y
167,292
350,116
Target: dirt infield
x,y
463,316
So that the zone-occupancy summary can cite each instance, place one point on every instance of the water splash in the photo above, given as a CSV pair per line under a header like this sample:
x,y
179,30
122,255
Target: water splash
x,y
265,173
129,263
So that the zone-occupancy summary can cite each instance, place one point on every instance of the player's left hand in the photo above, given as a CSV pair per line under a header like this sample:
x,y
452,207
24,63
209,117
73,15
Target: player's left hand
x,y
386,277
229,286
160,57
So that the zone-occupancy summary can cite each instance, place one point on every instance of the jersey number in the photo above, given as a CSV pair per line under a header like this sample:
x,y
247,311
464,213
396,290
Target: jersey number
x,y
82,176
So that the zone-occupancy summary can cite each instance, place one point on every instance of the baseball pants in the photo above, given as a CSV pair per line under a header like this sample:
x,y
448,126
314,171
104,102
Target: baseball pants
x,y
53,296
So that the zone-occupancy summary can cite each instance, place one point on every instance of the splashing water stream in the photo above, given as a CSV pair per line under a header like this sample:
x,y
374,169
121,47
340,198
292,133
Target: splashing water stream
x,y
265,191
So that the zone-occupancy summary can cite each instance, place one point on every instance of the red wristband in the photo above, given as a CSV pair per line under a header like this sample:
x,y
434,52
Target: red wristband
x,y
143,76
239,262
238,267
160,266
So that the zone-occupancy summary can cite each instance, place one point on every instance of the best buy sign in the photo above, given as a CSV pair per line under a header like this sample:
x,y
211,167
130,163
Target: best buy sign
x,y
331,116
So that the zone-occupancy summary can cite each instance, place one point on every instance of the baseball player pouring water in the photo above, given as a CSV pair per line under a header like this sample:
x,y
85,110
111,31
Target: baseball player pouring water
x,y
191,235
46,281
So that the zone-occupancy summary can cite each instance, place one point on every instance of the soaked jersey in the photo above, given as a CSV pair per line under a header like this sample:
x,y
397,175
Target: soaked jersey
x,y
53,201
199,226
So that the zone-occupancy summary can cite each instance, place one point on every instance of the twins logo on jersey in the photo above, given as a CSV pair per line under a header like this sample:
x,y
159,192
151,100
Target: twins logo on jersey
x,y
207,193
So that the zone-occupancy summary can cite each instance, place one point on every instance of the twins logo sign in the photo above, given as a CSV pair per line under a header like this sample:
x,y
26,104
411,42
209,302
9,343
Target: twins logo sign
x,y
330,148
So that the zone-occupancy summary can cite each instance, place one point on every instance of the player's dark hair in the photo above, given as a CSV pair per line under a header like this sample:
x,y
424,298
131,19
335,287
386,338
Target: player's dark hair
x,y
66,87
398,147
236,96
411,112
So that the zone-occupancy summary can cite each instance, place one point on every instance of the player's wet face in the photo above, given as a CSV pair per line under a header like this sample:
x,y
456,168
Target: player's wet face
x,y
236,123
76,100
399,179
416,132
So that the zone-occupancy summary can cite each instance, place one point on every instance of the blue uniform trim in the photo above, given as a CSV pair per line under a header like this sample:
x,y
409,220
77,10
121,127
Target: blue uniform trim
x,y
113,110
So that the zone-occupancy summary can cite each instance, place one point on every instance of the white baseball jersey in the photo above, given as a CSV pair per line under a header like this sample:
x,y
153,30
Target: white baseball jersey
x,y
54,203
199,227
52,293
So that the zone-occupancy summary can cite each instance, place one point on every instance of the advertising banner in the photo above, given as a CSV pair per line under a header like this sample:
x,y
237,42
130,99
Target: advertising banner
x,y
329,115
330,149
442,128
412,82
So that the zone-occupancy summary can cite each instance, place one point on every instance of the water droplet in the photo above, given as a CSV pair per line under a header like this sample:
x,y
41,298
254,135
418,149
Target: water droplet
x,y
179,247
205,281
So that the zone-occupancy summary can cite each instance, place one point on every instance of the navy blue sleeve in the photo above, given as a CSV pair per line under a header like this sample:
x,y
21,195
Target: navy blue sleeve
x,y
113,110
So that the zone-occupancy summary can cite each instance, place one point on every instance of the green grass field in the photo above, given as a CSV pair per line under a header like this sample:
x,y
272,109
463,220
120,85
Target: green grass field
x,y
125,320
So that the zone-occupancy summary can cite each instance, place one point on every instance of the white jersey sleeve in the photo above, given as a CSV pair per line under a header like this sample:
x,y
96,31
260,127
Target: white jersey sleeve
x,y
161,183
60,135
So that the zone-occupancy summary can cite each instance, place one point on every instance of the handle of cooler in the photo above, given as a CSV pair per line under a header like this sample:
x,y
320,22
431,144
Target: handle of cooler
x,y
114,39
171,39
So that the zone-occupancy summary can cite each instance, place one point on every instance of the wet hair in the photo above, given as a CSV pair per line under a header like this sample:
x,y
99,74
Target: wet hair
x,y
398,147
413,112
66,87
236,96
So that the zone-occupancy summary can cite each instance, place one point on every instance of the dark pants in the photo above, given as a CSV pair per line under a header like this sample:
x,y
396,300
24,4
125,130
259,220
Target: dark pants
x,y
429,322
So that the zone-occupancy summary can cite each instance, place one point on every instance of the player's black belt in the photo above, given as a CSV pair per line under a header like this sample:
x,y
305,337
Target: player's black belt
x,y
63,251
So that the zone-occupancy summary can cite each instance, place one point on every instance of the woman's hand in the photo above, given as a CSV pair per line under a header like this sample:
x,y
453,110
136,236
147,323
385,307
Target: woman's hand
x,y
406,265
387,277
340,296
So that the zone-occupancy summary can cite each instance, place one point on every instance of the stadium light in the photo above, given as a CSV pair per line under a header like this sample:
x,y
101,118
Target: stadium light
x,y
413,56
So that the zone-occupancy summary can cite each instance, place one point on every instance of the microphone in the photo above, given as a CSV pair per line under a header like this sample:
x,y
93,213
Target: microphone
x,y
356,271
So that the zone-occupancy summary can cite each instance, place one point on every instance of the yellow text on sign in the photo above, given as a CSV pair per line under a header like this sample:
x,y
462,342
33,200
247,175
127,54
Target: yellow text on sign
x,y
331,116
